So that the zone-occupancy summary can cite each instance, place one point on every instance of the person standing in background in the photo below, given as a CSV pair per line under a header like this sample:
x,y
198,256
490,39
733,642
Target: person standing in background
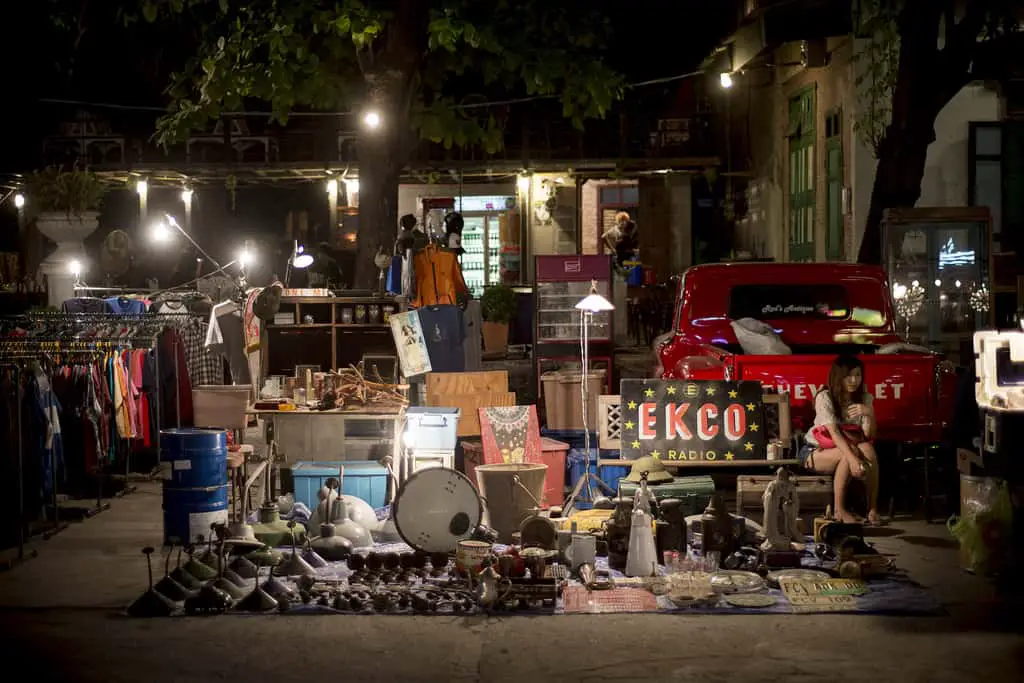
x,y
623,239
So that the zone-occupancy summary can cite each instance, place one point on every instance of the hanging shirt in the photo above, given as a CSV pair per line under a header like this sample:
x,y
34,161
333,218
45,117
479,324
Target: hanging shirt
x,y
86,305
444,334
226,336
438,278
124,305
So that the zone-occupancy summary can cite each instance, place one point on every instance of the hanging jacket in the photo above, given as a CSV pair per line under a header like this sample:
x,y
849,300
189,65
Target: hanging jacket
x,y
438,277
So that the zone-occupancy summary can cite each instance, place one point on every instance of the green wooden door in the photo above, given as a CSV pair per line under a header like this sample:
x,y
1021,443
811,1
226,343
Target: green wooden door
x,y
834,190
801,176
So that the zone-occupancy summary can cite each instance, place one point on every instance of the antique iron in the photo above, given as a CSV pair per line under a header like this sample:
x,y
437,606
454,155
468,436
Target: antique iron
x,y
259,600
179,574
294,565
168,586
197,568
151,603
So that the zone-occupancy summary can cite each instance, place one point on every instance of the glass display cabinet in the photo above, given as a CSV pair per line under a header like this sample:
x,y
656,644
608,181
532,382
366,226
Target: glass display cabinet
x,y
562,282
938,260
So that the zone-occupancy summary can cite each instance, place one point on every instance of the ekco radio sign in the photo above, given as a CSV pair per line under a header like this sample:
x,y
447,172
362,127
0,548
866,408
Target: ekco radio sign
x,y
702,420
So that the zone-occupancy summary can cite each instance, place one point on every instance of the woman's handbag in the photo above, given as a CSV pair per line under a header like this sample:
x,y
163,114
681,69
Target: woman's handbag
x,y
853,433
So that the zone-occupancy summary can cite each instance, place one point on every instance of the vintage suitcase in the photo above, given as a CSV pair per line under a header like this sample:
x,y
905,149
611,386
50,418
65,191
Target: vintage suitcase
x,y
695,492
815,492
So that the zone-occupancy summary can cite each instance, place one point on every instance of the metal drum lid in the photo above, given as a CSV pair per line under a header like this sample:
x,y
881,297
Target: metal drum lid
x,y
436,508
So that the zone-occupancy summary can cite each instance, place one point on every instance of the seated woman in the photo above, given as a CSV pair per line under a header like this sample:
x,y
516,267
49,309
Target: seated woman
x,y
840,441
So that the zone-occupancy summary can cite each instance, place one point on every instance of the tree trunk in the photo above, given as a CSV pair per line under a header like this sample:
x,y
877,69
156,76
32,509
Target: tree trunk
x,y
391,69
379,173
916,99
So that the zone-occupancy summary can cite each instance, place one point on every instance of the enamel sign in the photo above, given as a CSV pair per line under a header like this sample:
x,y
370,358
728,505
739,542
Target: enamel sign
x,y
698,420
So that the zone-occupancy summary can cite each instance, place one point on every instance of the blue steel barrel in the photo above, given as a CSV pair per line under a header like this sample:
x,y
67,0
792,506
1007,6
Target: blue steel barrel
x,y
191,457
194,463
189,512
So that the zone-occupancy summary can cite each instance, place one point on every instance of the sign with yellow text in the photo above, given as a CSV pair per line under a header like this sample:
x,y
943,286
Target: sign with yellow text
x,y
830,595
697,420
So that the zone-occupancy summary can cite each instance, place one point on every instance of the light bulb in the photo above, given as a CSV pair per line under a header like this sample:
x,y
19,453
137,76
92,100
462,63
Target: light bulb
x,y
523,183
75,267
725,78
141,188
352,185
186,196
19,201
161,232
938,282
371,119
245,257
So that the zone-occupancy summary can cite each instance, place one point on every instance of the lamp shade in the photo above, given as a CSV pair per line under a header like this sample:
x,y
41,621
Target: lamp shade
x,y
595,303
302,261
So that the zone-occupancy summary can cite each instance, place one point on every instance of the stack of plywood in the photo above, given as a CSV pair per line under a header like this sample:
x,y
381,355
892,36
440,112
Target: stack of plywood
x,y
469,391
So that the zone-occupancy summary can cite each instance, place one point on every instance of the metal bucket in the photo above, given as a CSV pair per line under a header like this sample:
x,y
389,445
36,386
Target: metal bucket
x,y
189,512
511,492
194,458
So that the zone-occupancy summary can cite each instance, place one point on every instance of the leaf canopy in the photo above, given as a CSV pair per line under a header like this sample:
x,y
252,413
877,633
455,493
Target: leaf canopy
x,y
312,55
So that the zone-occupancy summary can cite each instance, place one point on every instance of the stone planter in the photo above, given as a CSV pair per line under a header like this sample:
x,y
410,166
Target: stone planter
x,y
68,231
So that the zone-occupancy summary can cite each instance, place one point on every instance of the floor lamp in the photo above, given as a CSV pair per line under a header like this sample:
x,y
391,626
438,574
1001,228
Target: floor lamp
x,y
588,306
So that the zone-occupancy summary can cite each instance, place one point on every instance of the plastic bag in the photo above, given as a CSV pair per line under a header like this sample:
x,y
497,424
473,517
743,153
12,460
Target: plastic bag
x,y
758,339
985,527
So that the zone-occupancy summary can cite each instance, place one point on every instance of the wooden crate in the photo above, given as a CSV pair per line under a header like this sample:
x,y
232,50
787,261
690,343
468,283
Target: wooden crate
x,y
815,491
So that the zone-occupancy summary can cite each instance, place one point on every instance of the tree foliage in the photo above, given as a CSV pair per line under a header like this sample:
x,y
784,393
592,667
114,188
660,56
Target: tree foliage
x,y
927,52
328,56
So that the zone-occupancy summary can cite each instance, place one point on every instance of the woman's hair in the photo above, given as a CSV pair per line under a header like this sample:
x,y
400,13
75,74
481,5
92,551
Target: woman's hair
x,y
843,366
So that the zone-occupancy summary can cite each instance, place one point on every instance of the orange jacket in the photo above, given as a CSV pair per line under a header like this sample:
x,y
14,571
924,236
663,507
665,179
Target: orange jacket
x,y
438,277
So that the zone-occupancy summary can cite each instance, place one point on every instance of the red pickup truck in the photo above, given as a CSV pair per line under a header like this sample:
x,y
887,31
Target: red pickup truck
x,y
819,310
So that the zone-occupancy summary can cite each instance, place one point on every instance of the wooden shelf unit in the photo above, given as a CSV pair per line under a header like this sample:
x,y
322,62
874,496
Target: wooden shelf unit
x,y
348,341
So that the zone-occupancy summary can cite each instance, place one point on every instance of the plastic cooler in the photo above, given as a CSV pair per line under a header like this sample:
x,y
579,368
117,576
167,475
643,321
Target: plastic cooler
x,y
366,479
431,429
609,474
309,477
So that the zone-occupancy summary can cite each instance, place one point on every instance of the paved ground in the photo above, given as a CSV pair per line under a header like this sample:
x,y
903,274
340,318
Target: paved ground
x,y
59,621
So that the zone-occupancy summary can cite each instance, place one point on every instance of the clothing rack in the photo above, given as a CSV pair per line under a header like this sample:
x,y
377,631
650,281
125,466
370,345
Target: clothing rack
x,y
45,336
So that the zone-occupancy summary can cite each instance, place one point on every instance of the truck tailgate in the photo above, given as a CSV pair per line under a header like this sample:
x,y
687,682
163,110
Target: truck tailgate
x,y
903,387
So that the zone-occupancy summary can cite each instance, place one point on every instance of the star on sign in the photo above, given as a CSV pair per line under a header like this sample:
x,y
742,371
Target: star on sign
x,y
710,391
655,454
629,424
671,391
751,406
649,393
748,446
729,455
754,427
733,394
636,444
632,405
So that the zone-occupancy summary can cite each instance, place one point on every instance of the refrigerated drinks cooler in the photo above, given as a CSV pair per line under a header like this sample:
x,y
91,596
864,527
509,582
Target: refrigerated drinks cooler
x,y
482,243
562,281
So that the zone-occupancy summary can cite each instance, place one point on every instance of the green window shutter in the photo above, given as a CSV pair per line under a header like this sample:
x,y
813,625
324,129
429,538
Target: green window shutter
x,y
834,231
801,175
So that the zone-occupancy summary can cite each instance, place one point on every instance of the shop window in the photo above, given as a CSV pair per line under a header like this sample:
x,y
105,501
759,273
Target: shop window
x,y
986,170
834,188
620,195
801,176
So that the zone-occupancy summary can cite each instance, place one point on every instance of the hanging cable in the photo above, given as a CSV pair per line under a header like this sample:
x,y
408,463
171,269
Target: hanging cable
x,y
470,105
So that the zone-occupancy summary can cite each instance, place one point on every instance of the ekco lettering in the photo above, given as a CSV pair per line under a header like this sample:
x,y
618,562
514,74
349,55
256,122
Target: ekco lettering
x,y
692,420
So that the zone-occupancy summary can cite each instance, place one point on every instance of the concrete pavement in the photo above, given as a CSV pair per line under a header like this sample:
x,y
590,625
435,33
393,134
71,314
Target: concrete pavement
x,y
59,620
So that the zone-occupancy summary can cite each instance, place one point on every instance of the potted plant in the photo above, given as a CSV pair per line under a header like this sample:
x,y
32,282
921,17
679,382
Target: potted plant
x,y
498,307
66,205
